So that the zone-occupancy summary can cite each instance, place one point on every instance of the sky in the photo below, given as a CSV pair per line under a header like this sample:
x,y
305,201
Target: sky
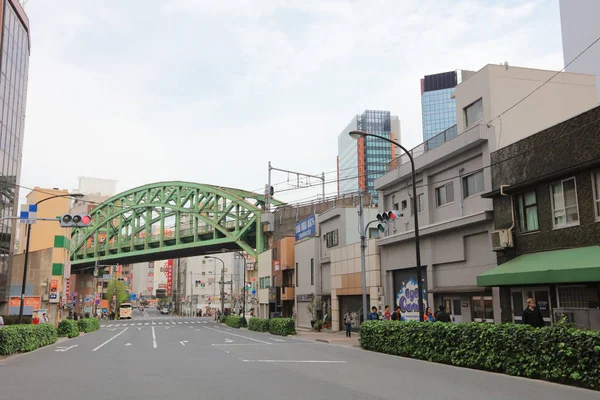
x,y
143,91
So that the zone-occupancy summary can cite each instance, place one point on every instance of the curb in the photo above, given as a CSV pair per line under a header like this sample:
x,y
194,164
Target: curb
x,y
322,340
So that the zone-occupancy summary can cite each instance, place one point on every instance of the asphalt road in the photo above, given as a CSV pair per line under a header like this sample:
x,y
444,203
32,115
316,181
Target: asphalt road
x,y
165,357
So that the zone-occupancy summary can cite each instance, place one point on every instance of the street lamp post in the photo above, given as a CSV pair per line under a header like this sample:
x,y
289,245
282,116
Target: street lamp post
x,y
76,195
244,287
358,134
222,282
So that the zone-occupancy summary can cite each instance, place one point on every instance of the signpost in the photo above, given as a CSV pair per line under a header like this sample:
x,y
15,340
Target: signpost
x,y
306,228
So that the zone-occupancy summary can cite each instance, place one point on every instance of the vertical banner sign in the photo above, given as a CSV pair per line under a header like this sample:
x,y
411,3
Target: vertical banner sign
x,y
67,289
169,272
150,278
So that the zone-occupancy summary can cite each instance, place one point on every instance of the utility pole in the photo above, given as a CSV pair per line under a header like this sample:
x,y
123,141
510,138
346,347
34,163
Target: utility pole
x,y
269,191
363,247
223,289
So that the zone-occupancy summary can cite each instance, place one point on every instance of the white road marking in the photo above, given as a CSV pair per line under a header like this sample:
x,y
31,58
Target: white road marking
x,y
154,339
124,325
160,323
180,322
186,322
110,339
228,340
63,349
233,334
173,322
127,344
277,340
113,329
139,323
197,330
299,361
183,342
108,326
146,323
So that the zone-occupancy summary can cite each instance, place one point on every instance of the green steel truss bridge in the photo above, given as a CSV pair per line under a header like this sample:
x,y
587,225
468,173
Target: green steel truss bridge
x,y
170,220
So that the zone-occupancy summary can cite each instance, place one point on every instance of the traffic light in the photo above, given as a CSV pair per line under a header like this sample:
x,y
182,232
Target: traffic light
x,y
385,217
75,220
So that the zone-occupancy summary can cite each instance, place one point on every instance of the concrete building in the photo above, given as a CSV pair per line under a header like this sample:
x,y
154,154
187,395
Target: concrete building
x,y
97,186
358,165
44,235
309,280
438,105
546,194
264,283
580,28
455,222
14,66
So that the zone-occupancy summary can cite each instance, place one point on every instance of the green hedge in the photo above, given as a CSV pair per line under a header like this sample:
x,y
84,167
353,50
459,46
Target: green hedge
x,y
258,324
282,326
557,353
235,321
222,318
88,325
68,328
23,338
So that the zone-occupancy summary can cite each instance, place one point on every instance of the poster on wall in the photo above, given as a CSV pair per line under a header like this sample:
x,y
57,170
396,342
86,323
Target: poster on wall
x,y
407,295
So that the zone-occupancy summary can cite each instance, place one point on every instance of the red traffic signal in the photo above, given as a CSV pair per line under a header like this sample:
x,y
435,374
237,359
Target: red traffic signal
x,y
75,220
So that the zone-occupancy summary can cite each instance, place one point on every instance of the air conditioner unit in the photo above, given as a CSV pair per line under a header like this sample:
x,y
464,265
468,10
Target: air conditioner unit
x,y
501,239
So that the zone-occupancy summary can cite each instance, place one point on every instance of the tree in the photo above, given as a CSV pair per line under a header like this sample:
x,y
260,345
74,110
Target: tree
x,y
122,295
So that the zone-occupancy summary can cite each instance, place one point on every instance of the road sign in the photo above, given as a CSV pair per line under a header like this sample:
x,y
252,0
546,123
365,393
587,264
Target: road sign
x,y
28,213
107,276
133,296
87,299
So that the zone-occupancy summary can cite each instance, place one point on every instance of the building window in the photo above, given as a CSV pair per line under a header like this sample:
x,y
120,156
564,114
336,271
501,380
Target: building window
x,y
420,204
274,253
572,297
528,212
331,238
564,203
312,271
473,184
404,204
474,112
444,194
596,183
267,282
261,283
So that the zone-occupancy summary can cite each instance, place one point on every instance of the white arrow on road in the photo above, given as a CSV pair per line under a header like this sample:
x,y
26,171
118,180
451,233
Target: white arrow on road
x,y
127,344
63,349
197,330
228,340
183,342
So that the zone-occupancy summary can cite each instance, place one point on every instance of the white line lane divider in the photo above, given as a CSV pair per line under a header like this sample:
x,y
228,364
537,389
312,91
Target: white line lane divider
x,y
154,339
277,340
63,349
233,334
298,361
120,333
183,342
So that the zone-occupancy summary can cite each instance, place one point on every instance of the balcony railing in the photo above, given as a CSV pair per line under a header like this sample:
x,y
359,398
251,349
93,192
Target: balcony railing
x,y
423,148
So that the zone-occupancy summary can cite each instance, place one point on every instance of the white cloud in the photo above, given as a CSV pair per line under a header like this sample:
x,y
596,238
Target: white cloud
x,y
209,92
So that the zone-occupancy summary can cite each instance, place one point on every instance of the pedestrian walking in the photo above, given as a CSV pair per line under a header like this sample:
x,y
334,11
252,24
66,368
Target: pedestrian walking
x,y
348,323
532,314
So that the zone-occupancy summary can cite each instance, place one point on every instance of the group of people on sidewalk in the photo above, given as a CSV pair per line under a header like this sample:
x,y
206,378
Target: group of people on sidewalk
x,y
531,316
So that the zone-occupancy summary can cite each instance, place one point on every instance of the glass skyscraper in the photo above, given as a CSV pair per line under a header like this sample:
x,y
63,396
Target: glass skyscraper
x,y
438,108
361,162
14,67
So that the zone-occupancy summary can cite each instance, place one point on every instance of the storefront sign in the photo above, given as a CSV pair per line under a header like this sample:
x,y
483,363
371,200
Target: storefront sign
x,y
306,228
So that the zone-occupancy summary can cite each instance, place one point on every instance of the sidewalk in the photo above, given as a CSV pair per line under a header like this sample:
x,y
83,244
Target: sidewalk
x,y
329,337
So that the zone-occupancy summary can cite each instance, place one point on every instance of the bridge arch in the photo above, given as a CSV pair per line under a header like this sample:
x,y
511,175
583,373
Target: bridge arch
x,y
170,220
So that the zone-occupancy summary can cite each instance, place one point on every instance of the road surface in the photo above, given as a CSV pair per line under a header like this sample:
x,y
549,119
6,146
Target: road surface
x,y
170,358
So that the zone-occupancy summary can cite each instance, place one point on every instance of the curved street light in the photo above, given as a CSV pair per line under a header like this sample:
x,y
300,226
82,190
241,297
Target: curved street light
x,y
357,134
24,283
222,282
244,287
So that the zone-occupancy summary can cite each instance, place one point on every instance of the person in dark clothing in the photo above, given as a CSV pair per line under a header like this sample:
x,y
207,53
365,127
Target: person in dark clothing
x,y
373,316
532,315
441,315
397,315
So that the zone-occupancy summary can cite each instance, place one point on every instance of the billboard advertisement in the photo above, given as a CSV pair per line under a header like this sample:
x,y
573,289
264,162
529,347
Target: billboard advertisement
x,y
150,278
306,228
168,271
406,293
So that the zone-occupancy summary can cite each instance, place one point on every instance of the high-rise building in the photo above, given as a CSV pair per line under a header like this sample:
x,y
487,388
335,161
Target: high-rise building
x,y
97,186
580,28
14,67
359,163
438,107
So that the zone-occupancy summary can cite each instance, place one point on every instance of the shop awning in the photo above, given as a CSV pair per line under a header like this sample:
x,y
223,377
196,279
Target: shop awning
x,y
558,266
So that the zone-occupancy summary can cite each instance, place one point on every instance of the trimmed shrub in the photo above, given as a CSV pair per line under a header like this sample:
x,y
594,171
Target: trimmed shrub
x,y
223,318
282,326
235,321
557,353
88,325
258,324
24,338
68,328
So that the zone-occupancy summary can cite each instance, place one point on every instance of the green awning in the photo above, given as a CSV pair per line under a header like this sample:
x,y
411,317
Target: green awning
x,y
557,266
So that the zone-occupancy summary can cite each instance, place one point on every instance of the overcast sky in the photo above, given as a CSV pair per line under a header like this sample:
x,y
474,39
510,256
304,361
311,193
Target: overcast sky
x,y
207,91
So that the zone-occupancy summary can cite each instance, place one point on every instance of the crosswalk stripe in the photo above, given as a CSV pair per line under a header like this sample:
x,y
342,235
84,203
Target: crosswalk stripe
x,y
108,326
160,323
185,322
139,323
146,323
180,322
173,322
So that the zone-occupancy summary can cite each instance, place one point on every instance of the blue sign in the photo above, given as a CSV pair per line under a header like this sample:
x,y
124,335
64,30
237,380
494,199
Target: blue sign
x,y
133,296
306,227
